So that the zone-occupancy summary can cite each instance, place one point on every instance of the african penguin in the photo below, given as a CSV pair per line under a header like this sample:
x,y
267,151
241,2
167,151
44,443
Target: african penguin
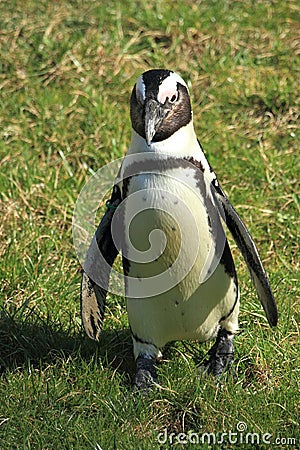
x,y
168,211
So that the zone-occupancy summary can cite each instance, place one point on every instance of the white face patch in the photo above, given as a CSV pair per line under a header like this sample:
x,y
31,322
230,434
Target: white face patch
x,y
168,87
140,89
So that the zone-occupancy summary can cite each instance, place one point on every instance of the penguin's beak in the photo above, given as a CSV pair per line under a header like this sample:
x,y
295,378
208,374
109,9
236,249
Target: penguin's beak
x,y
155,113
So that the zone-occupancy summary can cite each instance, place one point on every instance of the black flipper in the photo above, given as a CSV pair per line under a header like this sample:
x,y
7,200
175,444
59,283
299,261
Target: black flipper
x,y
249,251
95,279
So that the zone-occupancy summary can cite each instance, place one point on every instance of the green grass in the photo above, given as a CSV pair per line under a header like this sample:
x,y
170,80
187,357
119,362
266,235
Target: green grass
x,y
66,72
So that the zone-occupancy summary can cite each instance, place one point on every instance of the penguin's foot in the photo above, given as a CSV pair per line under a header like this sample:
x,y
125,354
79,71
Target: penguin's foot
x,y
146,374
221,355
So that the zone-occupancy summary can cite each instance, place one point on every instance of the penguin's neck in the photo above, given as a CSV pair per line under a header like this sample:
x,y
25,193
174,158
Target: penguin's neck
x,y
182,144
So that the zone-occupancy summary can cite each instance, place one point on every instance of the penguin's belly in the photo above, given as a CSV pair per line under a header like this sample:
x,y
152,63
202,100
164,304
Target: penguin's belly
x,y
171,294
170,316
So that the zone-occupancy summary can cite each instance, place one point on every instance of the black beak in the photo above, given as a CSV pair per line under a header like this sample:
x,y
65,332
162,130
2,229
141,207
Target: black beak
x,y
155,113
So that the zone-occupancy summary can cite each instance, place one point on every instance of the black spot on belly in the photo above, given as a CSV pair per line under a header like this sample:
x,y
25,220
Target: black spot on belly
x,y
209,221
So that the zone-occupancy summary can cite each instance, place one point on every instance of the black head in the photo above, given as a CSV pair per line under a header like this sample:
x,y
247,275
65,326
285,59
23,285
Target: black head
x,y
159,105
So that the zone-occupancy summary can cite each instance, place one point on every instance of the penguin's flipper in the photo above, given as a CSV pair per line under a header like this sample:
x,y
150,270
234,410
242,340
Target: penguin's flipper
x,y
97,267
249,251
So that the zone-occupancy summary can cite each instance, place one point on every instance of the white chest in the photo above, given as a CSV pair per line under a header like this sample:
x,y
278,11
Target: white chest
x,y
168,237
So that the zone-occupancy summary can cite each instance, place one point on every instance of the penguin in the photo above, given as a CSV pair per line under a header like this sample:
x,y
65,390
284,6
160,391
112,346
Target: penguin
x,y
167,216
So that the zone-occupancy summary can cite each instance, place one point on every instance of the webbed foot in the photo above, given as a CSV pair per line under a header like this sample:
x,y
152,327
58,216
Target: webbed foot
x,y
146,374
221,355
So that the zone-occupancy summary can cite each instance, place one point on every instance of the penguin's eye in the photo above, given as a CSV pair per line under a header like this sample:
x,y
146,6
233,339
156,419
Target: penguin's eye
x,y
174,98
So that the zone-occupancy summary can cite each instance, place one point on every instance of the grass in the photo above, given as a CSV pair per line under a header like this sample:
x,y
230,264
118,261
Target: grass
x,y
66,72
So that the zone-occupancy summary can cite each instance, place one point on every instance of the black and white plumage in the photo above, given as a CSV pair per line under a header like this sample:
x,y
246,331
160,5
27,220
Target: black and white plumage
x,y
166,183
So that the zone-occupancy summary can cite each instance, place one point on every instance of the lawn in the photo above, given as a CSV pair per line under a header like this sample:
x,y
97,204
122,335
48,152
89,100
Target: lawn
x,y
66,73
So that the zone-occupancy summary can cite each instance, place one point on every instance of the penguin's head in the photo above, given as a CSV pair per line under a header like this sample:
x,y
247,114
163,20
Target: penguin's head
x,y
159,105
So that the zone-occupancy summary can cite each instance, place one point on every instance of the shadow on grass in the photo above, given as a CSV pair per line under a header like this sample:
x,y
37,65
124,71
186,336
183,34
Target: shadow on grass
x,y
28,340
